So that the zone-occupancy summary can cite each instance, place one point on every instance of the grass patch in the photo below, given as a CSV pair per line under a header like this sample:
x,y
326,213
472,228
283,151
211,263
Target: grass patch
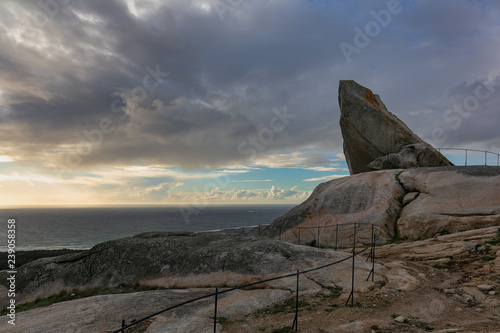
x,y
397,177
441,266
488,258
494,241
66,295
396,240
312,243
420,324
287,306
24,257
285,329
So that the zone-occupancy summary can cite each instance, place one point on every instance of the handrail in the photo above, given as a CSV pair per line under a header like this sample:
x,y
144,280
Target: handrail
x,y
466,150
374,238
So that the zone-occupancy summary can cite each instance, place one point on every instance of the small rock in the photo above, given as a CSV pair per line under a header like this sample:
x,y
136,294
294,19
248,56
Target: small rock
x,y
492,292
468,298
399,319
450,291
410,197
485,287
479,310
470,247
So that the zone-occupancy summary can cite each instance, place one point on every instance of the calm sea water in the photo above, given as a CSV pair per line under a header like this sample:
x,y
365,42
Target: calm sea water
x,y
82,228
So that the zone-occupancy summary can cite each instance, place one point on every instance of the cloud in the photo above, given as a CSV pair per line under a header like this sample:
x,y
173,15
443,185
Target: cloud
x,y
93,86
324,178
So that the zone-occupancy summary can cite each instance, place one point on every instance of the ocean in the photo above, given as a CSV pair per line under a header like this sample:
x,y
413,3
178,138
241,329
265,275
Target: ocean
x,y
81,228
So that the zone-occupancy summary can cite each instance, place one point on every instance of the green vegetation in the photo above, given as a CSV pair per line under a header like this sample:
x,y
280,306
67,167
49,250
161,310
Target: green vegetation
x,y
420,324
441,266
494,241
285,329
66,295
311,243
287,306
396,240
24,257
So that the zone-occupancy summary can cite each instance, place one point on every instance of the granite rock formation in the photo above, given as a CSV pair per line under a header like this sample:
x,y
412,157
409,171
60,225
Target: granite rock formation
x,y
370,132
415,203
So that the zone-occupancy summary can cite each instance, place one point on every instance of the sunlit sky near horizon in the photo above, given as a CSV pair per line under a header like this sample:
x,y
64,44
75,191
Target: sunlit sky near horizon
x,y
218,101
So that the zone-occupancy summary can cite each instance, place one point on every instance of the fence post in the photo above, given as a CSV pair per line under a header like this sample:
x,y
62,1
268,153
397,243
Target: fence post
x,y
296,319
123,325
336,235
372,255
465,157
215,312
351,295
485,158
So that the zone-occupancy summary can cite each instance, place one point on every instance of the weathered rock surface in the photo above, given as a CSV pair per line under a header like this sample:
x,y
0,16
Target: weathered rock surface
x,y
364,198
433,200
409,282
411,156
370,132
451,199
199,262
166,260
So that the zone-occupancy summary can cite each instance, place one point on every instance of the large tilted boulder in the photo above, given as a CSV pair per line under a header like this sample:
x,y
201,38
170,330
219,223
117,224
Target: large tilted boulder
x,y
370,132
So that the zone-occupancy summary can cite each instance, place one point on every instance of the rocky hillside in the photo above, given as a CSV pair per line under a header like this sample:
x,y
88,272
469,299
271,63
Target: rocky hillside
x,y
448,283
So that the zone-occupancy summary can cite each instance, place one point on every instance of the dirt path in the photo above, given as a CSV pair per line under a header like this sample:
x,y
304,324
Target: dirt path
x,y
442,297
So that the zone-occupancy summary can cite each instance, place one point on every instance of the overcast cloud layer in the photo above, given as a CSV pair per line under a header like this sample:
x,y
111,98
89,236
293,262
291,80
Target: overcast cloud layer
x,y
196,84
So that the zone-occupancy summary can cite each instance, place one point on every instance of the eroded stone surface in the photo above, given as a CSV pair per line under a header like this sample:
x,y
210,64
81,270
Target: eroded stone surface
x,y
451,199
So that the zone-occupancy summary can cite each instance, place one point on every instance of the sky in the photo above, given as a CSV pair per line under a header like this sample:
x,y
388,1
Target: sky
x,y
196,102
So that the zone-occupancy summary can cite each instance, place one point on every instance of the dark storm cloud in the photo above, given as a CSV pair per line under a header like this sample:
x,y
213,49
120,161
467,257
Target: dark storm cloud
x,y
90,86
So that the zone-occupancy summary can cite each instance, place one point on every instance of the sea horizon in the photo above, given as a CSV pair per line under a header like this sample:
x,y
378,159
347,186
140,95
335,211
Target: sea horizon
x,y
82,227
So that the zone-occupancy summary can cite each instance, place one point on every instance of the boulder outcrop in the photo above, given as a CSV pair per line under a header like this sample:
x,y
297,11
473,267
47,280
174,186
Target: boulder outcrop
x,y
169,260
415,203
451,199
370,197
371,132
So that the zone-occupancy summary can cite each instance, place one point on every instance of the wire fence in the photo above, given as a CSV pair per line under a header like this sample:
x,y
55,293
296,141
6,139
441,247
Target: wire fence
x,y
356,233
471,156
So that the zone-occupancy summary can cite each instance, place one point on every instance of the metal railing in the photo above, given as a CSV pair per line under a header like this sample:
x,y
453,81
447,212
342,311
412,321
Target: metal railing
x,y
466,152
356,228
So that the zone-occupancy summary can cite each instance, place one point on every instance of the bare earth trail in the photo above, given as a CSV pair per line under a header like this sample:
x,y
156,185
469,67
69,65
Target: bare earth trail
x,y
433,285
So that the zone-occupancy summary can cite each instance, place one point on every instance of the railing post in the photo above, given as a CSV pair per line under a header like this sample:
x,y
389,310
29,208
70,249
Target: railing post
x,y
215,311
336,235
465,157
123,325
296,319
485,158
351,295
372,255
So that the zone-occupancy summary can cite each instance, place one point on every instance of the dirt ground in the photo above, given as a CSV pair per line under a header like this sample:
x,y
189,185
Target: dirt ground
x,y
447,299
